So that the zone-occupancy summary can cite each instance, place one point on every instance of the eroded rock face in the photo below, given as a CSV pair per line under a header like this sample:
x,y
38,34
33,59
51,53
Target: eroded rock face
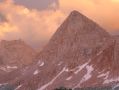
x,y
80,54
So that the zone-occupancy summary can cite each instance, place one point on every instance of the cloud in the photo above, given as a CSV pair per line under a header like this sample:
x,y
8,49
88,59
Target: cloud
x,y
37,4
9,1
33,26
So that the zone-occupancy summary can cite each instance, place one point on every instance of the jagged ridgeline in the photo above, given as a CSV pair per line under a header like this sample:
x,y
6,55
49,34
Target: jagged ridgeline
x,y
80,54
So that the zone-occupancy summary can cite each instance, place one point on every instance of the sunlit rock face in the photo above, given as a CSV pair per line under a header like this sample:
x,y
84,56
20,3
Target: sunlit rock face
x,y
80,54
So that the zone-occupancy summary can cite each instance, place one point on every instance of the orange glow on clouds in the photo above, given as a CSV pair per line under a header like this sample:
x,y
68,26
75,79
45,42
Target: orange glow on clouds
x,y
105,12
6,28
32,26
37,26
117,1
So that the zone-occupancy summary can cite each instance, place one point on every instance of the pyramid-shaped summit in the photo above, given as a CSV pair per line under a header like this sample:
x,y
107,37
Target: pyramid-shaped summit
x,y
80,24
77,27
75,40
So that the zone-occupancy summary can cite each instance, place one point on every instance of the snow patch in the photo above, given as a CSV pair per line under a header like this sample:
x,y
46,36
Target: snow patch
x,y
3,84
18,87
81,67
36,72
104,75
41,63
86,76
49,83
99,53
69,78
111,80
67,70
12,67
8,68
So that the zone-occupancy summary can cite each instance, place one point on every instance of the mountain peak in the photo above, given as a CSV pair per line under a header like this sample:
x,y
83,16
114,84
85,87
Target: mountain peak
x,y
76,16
80,24
77,31
76,25
74,12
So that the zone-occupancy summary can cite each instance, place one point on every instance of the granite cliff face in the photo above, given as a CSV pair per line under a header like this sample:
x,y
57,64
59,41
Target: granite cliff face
x,y
79,54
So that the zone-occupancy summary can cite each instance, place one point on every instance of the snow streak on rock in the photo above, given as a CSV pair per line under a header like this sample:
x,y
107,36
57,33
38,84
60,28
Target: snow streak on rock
x,y
86,76
18,87
36,72
49,83
111,80
81,67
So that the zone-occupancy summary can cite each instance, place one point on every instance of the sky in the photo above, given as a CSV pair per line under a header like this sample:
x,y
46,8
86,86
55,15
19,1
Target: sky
x,y
35,21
